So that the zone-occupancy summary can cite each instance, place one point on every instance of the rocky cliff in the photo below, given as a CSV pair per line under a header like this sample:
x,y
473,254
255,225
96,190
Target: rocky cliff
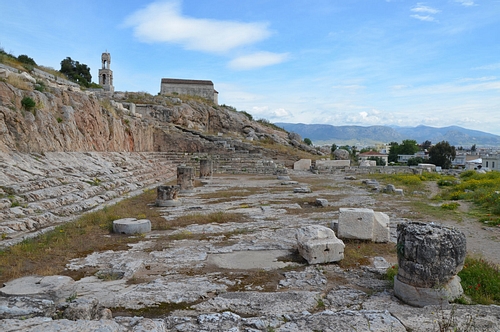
x,y
64,118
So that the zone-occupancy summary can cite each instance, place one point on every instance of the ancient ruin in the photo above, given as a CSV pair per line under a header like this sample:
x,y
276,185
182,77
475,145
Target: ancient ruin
x,y
245,251
429,258
167,196
200,88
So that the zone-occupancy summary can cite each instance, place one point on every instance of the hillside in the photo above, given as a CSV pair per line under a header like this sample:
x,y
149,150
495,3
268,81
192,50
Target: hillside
x,y
361,136
41,112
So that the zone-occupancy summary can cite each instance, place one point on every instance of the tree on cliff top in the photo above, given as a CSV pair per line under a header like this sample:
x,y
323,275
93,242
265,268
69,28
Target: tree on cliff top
x,y
76,71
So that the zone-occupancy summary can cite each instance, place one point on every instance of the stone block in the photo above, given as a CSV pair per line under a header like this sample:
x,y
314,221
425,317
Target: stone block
x,y
302,190
131,226
421,297
381,231
356,223
318,244
332,163
302,165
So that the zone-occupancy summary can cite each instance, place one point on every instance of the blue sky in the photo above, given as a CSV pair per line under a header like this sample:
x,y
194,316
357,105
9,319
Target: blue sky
x,y
339,62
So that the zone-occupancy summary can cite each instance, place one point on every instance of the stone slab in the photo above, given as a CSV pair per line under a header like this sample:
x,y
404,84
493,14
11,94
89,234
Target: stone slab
x,y
302,165
356,223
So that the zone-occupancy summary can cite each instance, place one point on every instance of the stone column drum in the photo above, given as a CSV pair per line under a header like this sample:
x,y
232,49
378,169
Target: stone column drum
x,y
429,258
185,177
167,196
205,168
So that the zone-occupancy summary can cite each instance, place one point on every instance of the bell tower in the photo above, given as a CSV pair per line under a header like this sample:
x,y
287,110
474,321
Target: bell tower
x,y
106,74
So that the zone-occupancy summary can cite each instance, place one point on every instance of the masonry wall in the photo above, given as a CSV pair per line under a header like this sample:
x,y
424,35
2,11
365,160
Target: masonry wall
x,y
205,91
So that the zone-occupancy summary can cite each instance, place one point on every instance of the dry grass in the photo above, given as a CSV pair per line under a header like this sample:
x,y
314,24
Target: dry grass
x,y
18,82
48,254
358,253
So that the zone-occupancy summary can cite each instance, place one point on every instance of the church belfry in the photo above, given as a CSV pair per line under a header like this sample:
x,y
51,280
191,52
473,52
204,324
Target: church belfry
x,y
106,74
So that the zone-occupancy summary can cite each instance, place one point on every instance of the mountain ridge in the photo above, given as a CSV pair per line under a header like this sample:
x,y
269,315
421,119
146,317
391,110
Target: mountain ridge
x,y
368,135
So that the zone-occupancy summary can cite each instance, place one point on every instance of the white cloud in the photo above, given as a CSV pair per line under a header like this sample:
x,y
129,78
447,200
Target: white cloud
x,y
466,3
420,8
164,22
493,66
257,60
424,13
426,18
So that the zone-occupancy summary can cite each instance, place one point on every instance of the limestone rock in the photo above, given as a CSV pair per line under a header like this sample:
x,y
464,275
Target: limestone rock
x,y
131,226
302,190
429,255
363,224
424,296
318,244
341,154
55,288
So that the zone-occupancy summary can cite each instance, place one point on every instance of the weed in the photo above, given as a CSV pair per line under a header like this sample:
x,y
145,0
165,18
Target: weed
x,y
72,297
59,120
450,206
391,272
28,103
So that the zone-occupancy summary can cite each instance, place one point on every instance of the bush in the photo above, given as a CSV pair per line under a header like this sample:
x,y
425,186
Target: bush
x,y
481,281
28,103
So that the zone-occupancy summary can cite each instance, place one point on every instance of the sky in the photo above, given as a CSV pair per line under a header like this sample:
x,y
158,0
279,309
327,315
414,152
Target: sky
x,y
338,62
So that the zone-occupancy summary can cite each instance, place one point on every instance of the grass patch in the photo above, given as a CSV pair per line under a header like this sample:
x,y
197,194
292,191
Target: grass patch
x,y
358,253
219,217
481,281
481,189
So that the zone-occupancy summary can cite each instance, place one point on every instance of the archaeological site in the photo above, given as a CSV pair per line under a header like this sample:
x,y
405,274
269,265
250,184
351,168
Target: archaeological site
x,y
123,211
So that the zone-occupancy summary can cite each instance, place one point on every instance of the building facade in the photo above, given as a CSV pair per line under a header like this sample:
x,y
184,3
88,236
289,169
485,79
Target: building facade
x,y
200,88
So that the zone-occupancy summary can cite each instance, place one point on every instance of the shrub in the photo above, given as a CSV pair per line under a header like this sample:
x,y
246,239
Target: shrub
x,y
28,104
450,206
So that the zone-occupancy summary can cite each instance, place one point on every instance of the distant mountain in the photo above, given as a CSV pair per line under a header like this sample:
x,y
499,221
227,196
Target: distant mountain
x,y
359,135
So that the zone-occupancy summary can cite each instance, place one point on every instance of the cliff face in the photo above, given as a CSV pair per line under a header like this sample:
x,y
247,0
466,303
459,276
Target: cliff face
x,y
68,119
65,120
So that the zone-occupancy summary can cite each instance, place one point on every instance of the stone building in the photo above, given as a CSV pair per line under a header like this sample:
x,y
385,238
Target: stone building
x,y
106,74
199,88
373,154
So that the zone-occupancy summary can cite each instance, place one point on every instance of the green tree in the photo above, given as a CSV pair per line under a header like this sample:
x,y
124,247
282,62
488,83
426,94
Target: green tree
x,y
473,148
76,72
393,152
333,148
26,59
426,145
308,141
442,154
415,161
408,146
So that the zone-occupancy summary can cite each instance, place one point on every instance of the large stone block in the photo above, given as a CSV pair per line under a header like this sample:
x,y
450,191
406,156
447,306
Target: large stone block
x,y
318,244
302,165
356,223
381,231
131,226
421,297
